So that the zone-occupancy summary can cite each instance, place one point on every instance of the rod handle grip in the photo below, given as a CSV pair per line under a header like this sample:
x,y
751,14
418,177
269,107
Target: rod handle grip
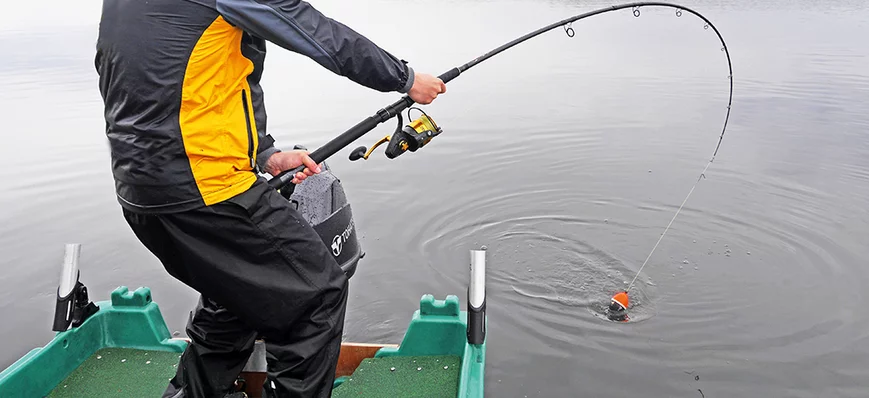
x,y
449,75
286,185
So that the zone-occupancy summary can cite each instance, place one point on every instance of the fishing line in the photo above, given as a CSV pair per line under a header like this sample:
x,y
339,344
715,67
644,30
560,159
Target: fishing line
x,y
702,175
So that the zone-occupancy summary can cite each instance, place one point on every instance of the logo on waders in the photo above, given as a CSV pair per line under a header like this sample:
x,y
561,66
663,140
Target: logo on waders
x,y
338,240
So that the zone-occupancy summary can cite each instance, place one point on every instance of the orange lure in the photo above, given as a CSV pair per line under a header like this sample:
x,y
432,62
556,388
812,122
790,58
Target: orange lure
x,y
618,308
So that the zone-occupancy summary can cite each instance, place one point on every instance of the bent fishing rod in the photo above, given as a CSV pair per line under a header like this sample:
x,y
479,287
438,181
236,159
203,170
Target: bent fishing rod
x,y
422,130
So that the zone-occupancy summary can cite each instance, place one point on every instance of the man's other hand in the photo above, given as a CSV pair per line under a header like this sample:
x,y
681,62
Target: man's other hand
x,y
283,161
426,88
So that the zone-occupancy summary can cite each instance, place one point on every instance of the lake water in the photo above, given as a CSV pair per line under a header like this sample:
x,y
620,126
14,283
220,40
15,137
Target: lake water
x,y
566,157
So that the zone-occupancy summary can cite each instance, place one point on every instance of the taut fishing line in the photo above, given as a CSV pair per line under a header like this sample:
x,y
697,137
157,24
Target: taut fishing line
x,y
422,130
702,175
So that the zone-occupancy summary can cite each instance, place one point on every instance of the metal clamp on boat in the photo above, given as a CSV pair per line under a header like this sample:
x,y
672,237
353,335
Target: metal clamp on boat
x,y
73,306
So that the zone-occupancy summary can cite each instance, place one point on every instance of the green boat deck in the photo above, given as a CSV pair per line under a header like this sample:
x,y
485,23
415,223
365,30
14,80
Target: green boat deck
x,y
120,372
125,349
125,372
435,376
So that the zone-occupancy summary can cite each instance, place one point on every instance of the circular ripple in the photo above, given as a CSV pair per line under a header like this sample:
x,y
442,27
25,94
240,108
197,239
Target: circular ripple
x,y
571,273
539,260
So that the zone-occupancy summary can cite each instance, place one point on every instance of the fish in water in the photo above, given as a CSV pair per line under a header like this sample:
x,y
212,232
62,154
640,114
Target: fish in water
x,y
618,308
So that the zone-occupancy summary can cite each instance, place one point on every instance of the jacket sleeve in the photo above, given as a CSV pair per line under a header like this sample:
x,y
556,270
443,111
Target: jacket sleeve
x,y
265,151
297,26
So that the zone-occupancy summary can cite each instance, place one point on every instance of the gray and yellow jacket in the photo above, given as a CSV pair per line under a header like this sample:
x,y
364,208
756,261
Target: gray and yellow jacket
x,y
184,110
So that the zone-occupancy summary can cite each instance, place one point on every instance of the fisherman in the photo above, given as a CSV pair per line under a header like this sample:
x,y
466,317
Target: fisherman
x,y
186,124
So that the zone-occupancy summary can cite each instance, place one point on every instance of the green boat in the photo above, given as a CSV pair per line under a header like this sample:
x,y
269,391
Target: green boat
x,y
122,347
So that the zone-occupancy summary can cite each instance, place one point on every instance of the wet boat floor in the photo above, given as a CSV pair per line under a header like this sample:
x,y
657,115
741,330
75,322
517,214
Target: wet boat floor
x,y
405,376
120,372
125,372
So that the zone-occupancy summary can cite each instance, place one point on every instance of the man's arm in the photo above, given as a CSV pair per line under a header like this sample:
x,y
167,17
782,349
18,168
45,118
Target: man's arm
x,y
296,26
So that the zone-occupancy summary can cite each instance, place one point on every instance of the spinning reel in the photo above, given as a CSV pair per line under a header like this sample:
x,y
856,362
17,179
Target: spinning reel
x,y
413,136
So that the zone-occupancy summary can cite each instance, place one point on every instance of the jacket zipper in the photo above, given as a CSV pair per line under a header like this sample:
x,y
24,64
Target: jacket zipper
x,y
249,129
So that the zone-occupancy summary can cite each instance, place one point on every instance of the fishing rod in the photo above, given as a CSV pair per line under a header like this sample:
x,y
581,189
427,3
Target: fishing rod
x,y
423,130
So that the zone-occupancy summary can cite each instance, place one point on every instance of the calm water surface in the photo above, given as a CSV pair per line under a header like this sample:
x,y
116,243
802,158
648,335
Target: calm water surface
x,y
565,156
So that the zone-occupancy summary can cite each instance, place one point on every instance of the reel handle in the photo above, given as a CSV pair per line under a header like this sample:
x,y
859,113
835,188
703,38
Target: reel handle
x,y
358,153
